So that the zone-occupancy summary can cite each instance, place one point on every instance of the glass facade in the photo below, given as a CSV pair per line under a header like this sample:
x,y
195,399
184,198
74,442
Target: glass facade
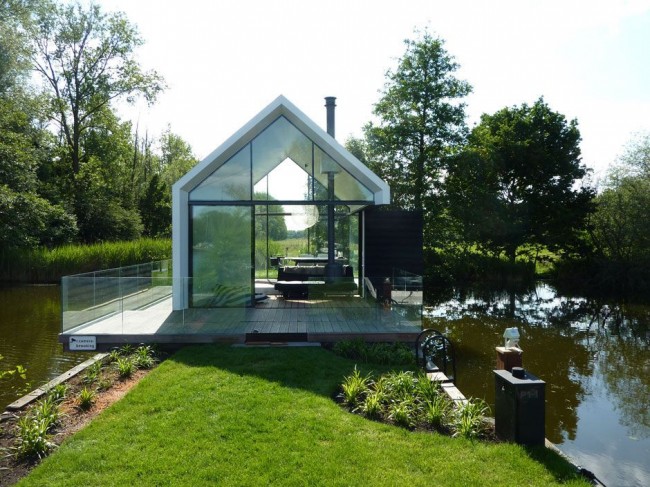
x,y
275,189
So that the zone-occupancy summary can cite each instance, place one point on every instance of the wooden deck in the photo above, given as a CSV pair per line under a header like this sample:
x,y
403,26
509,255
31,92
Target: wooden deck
x,y
317,320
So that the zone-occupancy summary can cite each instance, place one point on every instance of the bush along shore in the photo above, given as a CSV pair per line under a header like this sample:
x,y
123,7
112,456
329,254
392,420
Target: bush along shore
x,y
46,266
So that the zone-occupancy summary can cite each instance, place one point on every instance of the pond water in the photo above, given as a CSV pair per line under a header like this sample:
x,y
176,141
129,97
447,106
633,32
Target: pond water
x,y
593,355
30,321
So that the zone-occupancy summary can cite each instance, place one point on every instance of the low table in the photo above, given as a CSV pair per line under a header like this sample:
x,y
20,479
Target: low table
x,y
292,288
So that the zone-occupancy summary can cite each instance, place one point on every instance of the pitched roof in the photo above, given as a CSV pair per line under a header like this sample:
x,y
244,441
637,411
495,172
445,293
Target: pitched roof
x,y
278,108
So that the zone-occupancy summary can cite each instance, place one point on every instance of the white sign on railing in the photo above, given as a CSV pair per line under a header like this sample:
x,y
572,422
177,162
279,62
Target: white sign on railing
x,y
83,343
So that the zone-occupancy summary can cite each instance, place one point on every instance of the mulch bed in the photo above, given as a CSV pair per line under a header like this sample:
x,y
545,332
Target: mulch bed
x,y
72,418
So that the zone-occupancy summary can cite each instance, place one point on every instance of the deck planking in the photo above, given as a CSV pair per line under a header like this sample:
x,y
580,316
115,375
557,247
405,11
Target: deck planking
x,y
334,318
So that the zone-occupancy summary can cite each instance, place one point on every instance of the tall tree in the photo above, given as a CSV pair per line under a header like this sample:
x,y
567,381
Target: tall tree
x,y
26,218
86,58
517,182
421,120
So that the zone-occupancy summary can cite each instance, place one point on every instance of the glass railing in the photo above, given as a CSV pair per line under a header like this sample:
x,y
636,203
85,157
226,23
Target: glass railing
x,y
137,301
93,296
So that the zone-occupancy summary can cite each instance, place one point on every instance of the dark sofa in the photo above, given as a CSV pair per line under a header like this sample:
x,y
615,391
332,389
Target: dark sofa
x,y
303,281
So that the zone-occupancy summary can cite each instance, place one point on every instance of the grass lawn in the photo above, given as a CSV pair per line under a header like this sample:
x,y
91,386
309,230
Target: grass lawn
x,y
216,415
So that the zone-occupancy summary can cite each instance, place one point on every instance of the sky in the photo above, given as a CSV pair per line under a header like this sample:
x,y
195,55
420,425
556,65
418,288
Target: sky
x,y
224,61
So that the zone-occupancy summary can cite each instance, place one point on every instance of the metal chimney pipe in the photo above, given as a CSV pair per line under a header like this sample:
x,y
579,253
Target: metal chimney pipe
x,y
330,104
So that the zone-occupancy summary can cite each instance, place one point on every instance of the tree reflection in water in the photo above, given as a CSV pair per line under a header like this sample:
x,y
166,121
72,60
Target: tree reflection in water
x,y
575,344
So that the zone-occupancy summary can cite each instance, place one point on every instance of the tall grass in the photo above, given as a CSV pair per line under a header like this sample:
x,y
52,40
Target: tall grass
x,y
49,265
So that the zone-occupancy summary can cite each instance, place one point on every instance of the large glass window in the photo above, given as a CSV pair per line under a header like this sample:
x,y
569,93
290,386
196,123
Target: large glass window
x,y
282,163
231,182
221,256
281,182
346,187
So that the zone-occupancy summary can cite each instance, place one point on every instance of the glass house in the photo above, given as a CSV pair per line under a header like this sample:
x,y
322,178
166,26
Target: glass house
x,y
277,236
280,191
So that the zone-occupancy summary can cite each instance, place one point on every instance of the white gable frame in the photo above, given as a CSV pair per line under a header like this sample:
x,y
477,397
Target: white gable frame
x,y
180,191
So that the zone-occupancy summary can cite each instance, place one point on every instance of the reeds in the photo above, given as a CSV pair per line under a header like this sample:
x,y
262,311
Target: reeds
x,y
44,265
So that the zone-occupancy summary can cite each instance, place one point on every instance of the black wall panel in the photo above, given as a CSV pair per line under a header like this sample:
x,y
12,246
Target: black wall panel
x,y
393,239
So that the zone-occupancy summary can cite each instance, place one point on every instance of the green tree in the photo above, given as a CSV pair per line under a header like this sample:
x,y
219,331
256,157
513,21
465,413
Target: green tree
x,y
421,121
26,218
517,182
619,227
27,221
176,157
86,59
155,208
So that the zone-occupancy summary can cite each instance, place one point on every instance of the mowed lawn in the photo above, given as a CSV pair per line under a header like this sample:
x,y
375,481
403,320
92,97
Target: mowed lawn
x,y
218,415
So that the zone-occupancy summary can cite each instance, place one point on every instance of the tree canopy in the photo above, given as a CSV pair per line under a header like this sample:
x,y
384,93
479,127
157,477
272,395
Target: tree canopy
x,y
86,59
518,181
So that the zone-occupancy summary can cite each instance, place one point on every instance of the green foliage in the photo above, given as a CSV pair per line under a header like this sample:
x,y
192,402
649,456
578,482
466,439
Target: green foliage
x,y
113,356
47,412
372,406
92,373
399,385
517,182
126,350
436,410
143,357
456,265
27,221
125,367
86,59
619,228
86,399
410,400
421,121
32,439
469,418
58,392
404,413
155,209
396,353
354,388
176,157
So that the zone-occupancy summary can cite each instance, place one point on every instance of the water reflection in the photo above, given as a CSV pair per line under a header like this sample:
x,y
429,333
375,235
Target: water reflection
x,y
30,320
593,355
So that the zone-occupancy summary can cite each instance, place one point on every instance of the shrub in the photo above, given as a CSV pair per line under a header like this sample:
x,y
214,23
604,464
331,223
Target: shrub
x,y
404,413
58,392
32,439
400,385
372,406
469,418
355,387
113,356
125,367
86,399
436,410
143,357
47,412
378,353
92,373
